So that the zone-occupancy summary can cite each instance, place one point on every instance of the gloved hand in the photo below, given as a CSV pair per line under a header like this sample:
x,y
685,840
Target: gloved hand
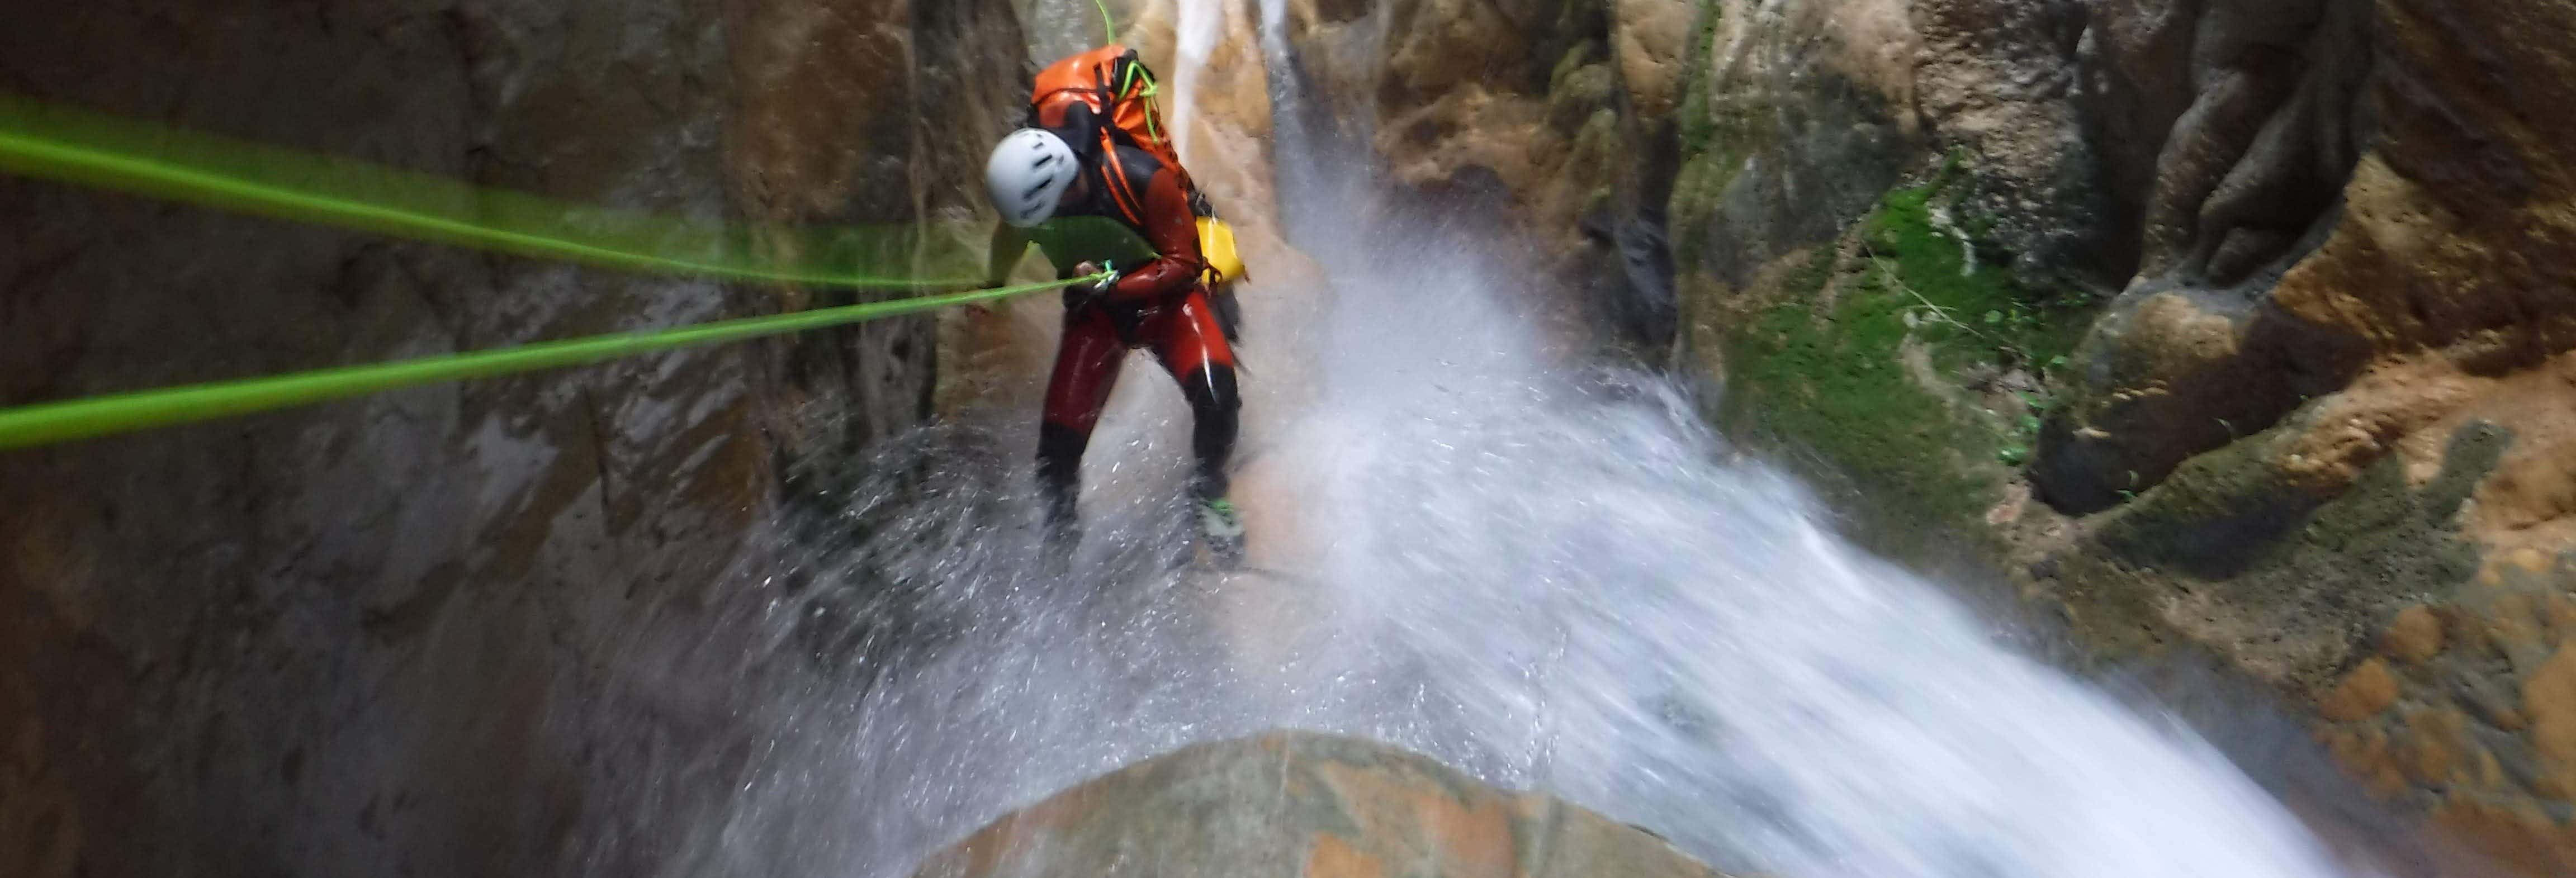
x,y
1082,294
1105,284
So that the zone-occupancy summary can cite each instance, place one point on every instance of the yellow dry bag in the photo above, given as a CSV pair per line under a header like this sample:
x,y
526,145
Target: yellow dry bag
x,y
1216,245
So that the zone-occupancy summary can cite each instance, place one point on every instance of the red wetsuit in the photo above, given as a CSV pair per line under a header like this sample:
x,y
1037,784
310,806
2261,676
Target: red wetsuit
x,y
1161,306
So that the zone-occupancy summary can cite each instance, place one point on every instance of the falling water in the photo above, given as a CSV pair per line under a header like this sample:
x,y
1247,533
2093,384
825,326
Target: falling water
x,y
1056,28
1550,575
1196,27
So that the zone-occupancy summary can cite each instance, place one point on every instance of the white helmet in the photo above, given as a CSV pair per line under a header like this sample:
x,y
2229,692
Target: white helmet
x,y
1028,174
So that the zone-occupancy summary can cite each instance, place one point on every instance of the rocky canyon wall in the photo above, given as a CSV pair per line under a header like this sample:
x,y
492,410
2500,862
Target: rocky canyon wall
x,y
2237,329
387,636
2223,327
1541,122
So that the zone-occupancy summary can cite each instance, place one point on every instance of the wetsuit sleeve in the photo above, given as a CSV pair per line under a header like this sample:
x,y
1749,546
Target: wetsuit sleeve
x,y
1174,232
1008,246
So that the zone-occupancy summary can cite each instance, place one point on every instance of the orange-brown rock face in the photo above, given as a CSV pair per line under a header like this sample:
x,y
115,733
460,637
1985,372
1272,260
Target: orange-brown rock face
x,y
1544,122
1216,93
1295,805
2416,362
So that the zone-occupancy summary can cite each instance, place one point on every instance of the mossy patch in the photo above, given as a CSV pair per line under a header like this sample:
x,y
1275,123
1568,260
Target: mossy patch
x,y
1687,211
2286,581
1972,307
1575,59
1733,136
1909,360
1705,173
1698,126
1834,383
1588,91
1693,205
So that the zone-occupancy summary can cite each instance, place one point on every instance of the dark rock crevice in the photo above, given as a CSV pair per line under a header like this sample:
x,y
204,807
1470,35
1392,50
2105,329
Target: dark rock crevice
x,y
2261,127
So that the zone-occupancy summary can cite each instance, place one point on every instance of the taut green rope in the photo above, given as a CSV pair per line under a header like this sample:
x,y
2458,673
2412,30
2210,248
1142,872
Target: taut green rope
x,y
77,146
46,423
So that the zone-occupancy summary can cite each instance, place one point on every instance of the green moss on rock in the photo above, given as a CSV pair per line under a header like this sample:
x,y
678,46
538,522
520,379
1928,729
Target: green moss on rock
x,y
1834,383
1586,92
1574,59
1971,306
2281,580
1696,190
1893,359
1698,127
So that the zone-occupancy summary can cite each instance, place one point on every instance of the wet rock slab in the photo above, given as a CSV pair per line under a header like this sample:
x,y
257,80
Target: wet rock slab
x,y
1299,804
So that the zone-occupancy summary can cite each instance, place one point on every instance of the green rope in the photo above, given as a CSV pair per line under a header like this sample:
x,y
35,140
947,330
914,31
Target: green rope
x,y
76,146
1153,114
1107,24
46,423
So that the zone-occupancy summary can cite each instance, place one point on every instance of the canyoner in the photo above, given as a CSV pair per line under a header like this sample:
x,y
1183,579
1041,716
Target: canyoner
x,y
1094,182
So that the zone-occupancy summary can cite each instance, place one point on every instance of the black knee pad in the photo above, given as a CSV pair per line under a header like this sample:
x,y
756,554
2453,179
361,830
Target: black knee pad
x,y
1060,468
1060,454
1211,390
1214,411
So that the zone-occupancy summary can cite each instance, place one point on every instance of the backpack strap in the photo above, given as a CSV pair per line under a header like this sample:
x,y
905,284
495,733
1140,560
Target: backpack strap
x,y
1124,192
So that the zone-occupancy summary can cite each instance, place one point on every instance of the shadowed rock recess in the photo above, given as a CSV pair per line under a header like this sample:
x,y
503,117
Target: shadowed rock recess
x,y
381,636
2229,328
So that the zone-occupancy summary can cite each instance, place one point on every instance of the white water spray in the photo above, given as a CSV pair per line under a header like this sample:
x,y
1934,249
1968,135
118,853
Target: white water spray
x,y
1547,575
1196,25
1548,578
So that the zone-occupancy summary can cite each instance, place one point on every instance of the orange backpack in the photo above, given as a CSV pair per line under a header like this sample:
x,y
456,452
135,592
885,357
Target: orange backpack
x,y
1110,92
